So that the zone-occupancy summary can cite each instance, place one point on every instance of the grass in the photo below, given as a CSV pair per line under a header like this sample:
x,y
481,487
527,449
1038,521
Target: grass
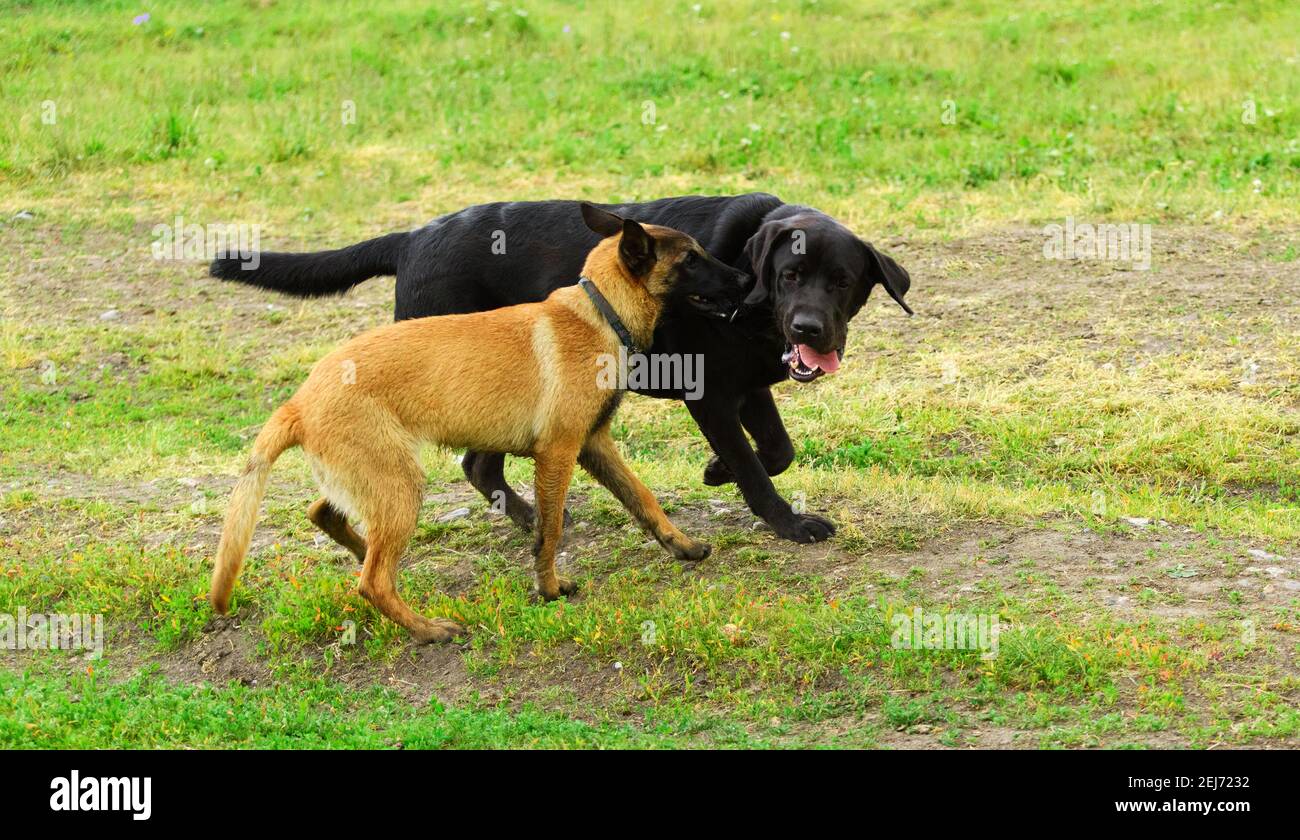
x,y
146,712
941,116
1089,455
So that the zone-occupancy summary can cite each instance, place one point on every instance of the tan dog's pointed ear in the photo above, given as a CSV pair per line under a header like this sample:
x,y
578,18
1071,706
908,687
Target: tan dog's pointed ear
x,y
601,221
636,249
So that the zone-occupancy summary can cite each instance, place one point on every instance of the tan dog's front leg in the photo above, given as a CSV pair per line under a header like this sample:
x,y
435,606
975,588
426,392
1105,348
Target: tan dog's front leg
x,y
553,469
600,458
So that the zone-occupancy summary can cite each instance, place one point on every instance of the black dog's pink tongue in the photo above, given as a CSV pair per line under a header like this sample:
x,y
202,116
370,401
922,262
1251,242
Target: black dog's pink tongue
x,y
828,362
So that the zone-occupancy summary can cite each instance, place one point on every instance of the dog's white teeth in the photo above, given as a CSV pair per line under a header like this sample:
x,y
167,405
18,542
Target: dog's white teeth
x,y
796,361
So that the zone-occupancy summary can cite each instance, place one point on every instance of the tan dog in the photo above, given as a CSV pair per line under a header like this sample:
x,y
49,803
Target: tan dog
x,y
521,380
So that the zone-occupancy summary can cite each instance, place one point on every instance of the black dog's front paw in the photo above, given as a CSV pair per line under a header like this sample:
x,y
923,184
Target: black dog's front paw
x,y
717,473
804,528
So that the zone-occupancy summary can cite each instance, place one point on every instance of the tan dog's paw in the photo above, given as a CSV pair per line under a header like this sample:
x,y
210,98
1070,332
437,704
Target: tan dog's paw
x,y
438,631
562,586
688,549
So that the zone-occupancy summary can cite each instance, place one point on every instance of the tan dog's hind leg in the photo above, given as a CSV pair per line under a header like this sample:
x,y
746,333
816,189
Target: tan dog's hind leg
x,y
387,487
388,540
553,470
600,458
332,521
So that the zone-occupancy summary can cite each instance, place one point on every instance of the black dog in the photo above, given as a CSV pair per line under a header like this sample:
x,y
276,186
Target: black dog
x,y
812,275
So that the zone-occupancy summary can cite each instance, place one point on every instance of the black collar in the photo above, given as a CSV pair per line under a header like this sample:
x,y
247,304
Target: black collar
x,y
615,323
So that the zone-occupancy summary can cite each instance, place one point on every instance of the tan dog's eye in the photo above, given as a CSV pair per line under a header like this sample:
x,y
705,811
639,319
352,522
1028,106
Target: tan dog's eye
x,y
689,259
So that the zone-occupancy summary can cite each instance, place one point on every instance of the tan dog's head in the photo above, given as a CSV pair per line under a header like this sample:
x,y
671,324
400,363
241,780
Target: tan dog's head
x,y
671,266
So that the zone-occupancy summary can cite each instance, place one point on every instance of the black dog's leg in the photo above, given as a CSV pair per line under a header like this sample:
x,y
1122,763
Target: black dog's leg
x,y
719,419
760,418
487,472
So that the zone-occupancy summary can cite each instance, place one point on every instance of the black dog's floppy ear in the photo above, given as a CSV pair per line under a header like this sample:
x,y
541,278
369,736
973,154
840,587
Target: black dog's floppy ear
x,y
601,221
759,251
636,249
883,270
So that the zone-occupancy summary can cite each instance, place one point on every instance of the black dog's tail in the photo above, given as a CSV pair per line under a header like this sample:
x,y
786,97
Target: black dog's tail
x,y
316,274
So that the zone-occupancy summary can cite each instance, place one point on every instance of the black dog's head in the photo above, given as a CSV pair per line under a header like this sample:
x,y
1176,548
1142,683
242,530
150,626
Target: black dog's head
x,y
817,275
672,265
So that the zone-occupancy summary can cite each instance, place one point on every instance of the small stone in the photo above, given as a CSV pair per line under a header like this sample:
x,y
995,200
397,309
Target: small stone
x,y
1139,521
23,215
110,315
453,515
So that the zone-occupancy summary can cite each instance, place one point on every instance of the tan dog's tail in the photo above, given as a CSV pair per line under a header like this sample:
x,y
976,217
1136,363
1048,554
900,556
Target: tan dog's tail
x,y
279,433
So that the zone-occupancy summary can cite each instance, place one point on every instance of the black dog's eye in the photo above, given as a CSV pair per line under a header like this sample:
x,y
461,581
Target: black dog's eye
x,y
689,259
790,275
842,282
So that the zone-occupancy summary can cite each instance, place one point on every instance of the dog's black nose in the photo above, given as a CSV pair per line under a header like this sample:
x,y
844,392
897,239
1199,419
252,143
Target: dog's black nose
x,y
806,327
